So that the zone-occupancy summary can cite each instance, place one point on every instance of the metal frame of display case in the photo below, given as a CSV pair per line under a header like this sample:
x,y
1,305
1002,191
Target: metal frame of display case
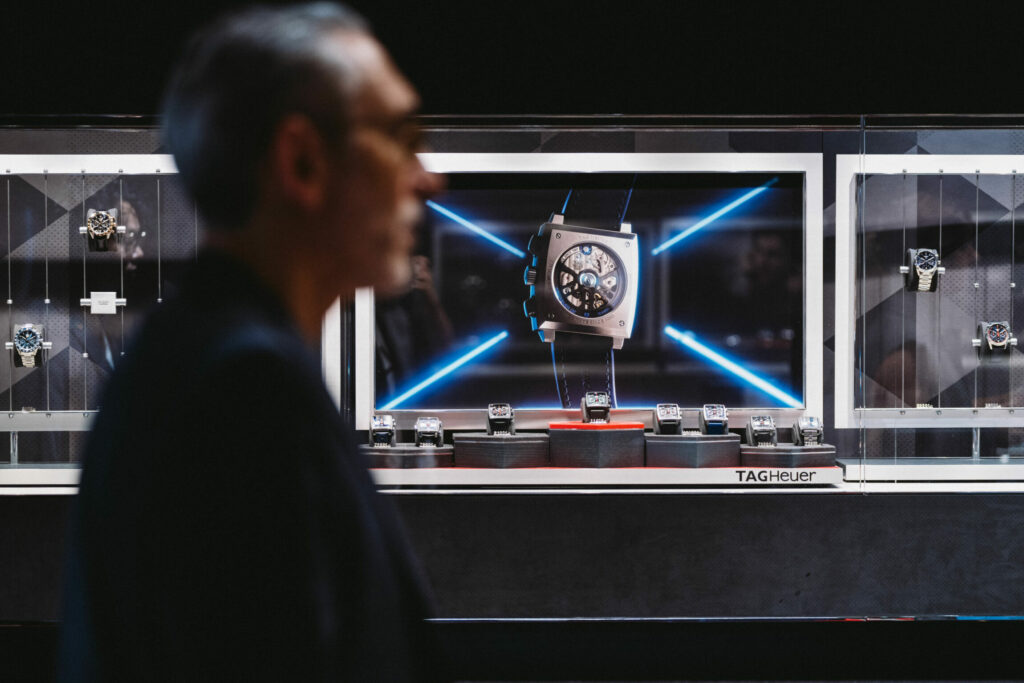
x,y
809,164
848,168
39,479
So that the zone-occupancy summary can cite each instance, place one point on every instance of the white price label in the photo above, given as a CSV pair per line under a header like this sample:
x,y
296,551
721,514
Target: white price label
x,y
103,302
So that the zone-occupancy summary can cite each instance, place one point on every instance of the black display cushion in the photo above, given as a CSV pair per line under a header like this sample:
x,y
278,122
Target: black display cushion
x,y
597,447
408,456
788,455
501,451
693,450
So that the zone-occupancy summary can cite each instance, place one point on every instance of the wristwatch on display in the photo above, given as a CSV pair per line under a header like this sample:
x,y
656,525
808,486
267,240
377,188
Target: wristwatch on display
x,y
428,431
713,419
668,419
583,298
382,430
926,264
500,419
596,407
761,431
28,342
997,335
808,432
100,226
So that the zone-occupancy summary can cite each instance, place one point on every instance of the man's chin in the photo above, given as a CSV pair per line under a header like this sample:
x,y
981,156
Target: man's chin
x,y
394,278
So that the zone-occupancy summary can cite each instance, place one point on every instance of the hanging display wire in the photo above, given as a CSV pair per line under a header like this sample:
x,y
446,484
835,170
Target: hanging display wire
x,y
10,303
862,442
159,246
977,282
863,190
85,315
121,246
903,299
938,308
46,257
1013,272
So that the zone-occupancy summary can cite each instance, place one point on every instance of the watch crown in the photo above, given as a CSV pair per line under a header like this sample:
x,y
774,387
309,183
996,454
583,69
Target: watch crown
x,y
530,307
530,275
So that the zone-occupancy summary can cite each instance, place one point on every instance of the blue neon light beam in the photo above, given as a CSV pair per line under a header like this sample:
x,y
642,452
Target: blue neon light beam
x,y
566,204
688,340
447,213
704,222
445,371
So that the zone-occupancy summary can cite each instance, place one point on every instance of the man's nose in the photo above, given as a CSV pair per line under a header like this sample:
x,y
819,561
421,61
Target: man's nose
x,y
430,184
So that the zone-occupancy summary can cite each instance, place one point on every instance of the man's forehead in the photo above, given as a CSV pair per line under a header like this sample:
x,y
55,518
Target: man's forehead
x,y
381,91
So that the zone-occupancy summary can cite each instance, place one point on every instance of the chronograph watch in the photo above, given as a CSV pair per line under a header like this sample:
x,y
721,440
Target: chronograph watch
x,y
997,335
28,343
583,296
100,226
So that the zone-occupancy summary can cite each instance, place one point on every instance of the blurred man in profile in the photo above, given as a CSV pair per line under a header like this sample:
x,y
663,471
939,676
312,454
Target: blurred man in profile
x,y
226,527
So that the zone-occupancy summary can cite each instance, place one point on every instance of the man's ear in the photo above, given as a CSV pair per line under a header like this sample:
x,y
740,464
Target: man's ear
x,y
298,162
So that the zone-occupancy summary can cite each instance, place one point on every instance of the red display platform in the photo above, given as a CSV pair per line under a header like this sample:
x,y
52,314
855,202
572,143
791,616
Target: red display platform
x,y
596,426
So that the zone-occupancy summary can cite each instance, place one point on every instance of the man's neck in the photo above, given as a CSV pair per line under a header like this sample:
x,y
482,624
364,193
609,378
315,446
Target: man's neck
x,y
296,280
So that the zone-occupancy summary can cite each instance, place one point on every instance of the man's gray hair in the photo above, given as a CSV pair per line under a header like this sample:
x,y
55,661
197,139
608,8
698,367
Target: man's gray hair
x,y
236,81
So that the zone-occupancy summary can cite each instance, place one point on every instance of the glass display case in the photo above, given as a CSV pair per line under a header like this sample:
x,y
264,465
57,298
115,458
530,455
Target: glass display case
x,y
927,364
855,276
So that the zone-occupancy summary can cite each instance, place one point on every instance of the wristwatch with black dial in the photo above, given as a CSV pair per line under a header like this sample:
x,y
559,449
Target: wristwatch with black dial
x,y
925,263
100,226
596,407
382,430
428,431
808,432
668,419
583,297
28,343
714,419
761,431
500,419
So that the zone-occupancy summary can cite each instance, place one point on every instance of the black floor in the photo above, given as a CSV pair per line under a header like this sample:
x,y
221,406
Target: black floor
x,y
667,650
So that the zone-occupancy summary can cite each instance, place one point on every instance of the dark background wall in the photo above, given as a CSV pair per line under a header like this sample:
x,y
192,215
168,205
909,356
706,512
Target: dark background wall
x,y
575,56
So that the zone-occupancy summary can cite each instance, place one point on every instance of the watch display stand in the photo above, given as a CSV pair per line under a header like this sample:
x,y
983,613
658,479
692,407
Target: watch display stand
x,y
408,456
480,449
693,450
788,455
585,444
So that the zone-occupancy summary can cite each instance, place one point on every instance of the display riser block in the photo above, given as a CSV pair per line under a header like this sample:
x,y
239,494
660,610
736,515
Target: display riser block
x,y
788,455
408,456
479,449
597,448
693,450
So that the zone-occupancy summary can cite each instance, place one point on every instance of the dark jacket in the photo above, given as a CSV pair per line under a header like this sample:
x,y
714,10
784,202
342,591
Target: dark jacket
x,y
226,527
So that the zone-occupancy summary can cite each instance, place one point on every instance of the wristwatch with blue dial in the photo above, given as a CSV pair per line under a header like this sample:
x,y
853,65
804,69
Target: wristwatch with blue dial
x,y
28,343
926,266
713,419
997,335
